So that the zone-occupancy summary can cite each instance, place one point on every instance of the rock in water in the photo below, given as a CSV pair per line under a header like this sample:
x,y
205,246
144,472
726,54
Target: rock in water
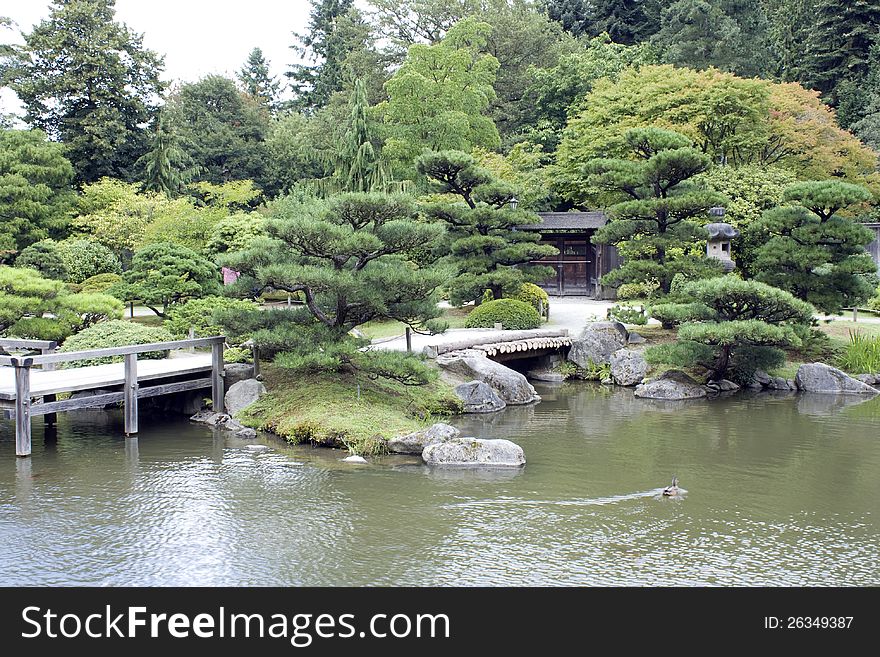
x,y
672,385
478,397
415,443
509,384
354,458
628,367
475,451
819,377
243,394
597,342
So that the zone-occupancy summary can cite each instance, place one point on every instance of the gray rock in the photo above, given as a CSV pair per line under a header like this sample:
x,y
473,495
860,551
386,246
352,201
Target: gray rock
x,y
545,375
727,386
780,383
235,372
415,443
672,385
475,451
210,418
242,395
635,338
628,367
509,384
596,343
870,379
478,397
819,377
354,458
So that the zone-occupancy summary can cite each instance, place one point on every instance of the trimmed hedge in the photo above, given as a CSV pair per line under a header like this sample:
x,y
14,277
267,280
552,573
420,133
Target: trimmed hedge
x,y
534,296
115,333
512,314
99,282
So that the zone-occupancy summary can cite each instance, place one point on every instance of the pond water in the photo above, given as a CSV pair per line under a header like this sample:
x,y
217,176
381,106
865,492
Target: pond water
x,y
781,491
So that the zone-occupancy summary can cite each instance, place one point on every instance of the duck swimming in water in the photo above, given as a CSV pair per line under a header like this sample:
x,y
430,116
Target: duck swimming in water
x,y
673,490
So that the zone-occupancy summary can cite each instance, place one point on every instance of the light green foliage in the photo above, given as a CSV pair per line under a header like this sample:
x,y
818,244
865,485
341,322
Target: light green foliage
x,y
813,252
88,81
749,189
24,292
198,314
85,309
656,215
861,355
511,314
44,257
164,274
115,333
40,328
527,168
438,98
236,232
629,314
675,314
743,326
100,282
535,297
345,356
646,290
484,245
84,258
347,256
35,191
237,355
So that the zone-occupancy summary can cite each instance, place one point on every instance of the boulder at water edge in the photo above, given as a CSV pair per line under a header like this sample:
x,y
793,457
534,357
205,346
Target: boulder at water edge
x,y
415,443
510,385
243,394
478,397
597,342
628,367
235,372
475,451
819,377
672,385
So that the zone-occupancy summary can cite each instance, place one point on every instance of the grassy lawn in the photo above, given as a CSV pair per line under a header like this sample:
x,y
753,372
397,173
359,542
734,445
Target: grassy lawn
x,y
839,330
327,409
387,328
146,320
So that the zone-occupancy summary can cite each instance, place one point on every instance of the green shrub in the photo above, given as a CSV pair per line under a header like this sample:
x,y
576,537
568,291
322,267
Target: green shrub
x,y
237,355
40,328
678,283
861,355
534,296
874,302
645,290
671,315
512,314
628,314
199,314
84,258
115,333
44,257
99,283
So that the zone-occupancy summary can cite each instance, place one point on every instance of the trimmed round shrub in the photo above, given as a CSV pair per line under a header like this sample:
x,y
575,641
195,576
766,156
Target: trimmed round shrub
x,y
45,257
84,258
115,333
199,314
534,296
512,314
40,328
99,282
629,291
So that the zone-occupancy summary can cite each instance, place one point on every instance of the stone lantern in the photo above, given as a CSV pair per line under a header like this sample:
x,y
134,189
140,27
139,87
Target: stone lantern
x,y
720,236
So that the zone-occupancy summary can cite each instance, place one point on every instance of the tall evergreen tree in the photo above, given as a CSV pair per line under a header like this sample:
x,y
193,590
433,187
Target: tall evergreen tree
x,y
359,167
166,166
257,82
87,81
789,25
626,21
325,47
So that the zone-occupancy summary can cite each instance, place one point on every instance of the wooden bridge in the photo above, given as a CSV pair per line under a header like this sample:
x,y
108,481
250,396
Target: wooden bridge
x,y
30,384
504,345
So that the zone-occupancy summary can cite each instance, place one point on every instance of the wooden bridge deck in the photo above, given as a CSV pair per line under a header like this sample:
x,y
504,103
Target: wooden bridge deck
x,y
95,377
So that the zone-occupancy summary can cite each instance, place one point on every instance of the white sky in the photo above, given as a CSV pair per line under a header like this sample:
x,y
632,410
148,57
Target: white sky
x,y
197,37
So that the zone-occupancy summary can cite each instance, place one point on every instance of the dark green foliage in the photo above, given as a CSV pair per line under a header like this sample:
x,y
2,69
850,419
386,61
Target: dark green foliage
x,y
513,315
484,245
87,81
221,129
199,314
656,215
813,252
625,21
743,327
675,314
165,166
40,328
345,356
165,274
44,257
115,333
257,82
35,189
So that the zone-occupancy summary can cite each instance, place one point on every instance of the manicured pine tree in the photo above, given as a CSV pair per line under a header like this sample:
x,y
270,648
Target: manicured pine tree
x,y
485,247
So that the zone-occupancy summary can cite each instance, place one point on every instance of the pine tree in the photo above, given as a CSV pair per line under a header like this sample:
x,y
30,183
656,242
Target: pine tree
x,y
256,81
626,21
359,167
166,167
87,81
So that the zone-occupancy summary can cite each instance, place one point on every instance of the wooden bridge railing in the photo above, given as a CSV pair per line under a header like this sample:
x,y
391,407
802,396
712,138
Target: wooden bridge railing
x,y
129,395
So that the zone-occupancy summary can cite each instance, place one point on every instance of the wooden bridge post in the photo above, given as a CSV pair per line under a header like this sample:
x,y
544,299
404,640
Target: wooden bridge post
x,y
131,394
217,391
49,418
408,339
23,407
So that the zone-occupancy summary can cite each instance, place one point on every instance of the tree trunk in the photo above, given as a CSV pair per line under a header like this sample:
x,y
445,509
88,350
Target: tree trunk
x,y
722,362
